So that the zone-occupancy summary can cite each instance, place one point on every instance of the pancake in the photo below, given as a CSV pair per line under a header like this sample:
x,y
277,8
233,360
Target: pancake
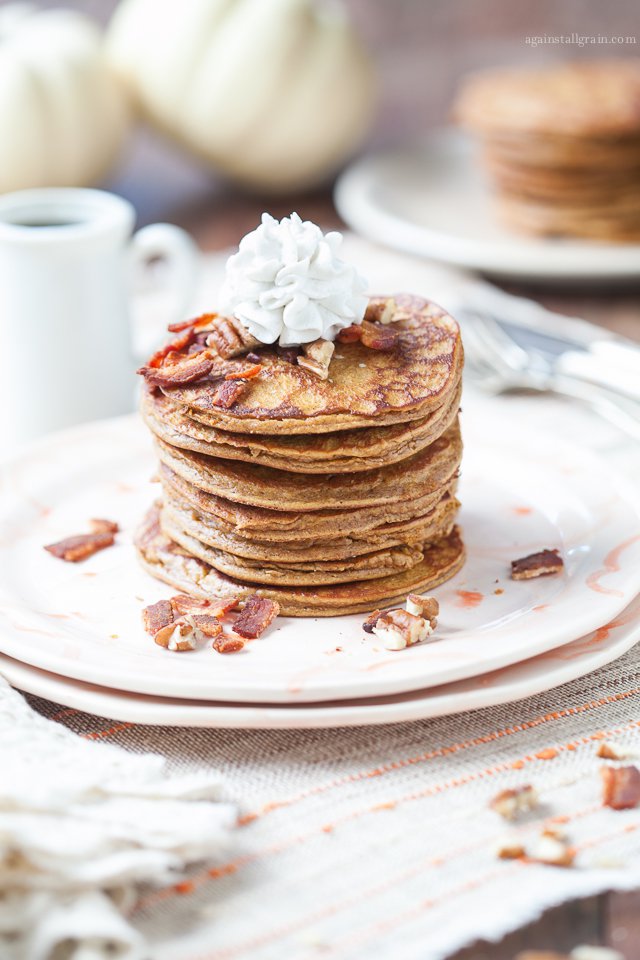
x,y
365,387
213,533
282,526
424,473
368,566
173,565
340,452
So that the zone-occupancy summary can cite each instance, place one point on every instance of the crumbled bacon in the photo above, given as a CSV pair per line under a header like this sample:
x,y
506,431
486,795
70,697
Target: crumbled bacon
x,y
246,373
177,344
378,337
620,787
542,564
228,644
182,603
74,549
256,616
205,624
230,338
228,392
198,323
99,525
157,615
187,370
350,334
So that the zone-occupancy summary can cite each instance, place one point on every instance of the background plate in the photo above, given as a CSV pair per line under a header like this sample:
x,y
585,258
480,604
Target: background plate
x,y
520,490
432,199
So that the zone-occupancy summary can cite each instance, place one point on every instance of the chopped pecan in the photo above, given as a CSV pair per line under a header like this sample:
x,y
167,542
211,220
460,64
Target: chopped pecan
x,y
74,549
178,636
552,849
205,624
371,620
230,337
378,337
511,802
510,849
620,787
426,607
228,392
399,629
99,525
157,615
350,334
228,644
258,612
317,357
187,370
613,751
541,564
381,310
245,373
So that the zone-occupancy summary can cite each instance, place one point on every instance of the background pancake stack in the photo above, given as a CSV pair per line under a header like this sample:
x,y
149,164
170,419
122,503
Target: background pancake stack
x,y
332,496
562,146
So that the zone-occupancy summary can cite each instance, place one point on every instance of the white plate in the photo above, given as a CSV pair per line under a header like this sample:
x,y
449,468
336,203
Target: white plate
x,y
501,686
432,199
520,491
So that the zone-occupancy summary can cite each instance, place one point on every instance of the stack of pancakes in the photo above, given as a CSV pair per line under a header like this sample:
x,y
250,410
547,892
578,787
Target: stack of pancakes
x,y
562,146
332,496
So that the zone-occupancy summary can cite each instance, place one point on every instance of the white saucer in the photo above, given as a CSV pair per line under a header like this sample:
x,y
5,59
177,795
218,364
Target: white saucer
x,y
521,491
501,686
432,199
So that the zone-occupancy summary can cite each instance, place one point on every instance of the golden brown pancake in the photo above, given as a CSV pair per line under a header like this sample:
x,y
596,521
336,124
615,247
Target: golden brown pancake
x,y
212,532
170,563
345,451
365,387
282,526
424,473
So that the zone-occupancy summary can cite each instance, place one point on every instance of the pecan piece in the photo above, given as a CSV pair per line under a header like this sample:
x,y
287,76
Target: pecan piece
x,y
426,607
178,636
156,616
511,802
350,334
613,751
229,337
74,549
227,644
99,525
620,787
187,370
381,310
372,619
317,357
205,624
257,614
399,629
378,337
228,392
542,564
552,849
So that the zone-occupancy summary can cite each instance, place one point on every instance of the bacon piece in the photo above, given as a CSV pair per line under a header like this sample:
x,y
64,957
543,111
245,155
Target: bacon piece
x,y
228,392
182,604
620,787
205,624
177,344
350,334
256,616
378,337
227,644
197,323
542,564
98,525
73,549
156,616
246,374
230,337
188,370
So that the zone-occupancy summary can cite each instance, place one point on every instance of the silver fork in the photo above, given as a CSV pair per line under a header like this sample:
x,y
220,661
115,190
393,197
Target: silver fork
x,y
498,365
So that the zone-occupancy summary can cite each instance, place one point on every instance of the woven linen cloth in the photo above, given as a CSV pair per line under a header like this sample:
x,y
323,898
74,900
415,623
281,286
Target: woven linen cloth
x,y
378,841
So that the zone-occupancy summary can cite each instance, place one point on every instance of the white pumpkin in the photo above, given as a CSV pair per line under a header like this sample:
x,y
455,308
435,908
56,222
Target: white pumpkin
x,y
63,114
275,93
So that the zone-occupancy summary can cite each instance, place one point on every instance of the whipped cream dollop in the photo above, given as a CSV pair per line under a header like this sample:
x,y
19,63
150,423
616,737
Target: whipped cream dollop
x,y
287,283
